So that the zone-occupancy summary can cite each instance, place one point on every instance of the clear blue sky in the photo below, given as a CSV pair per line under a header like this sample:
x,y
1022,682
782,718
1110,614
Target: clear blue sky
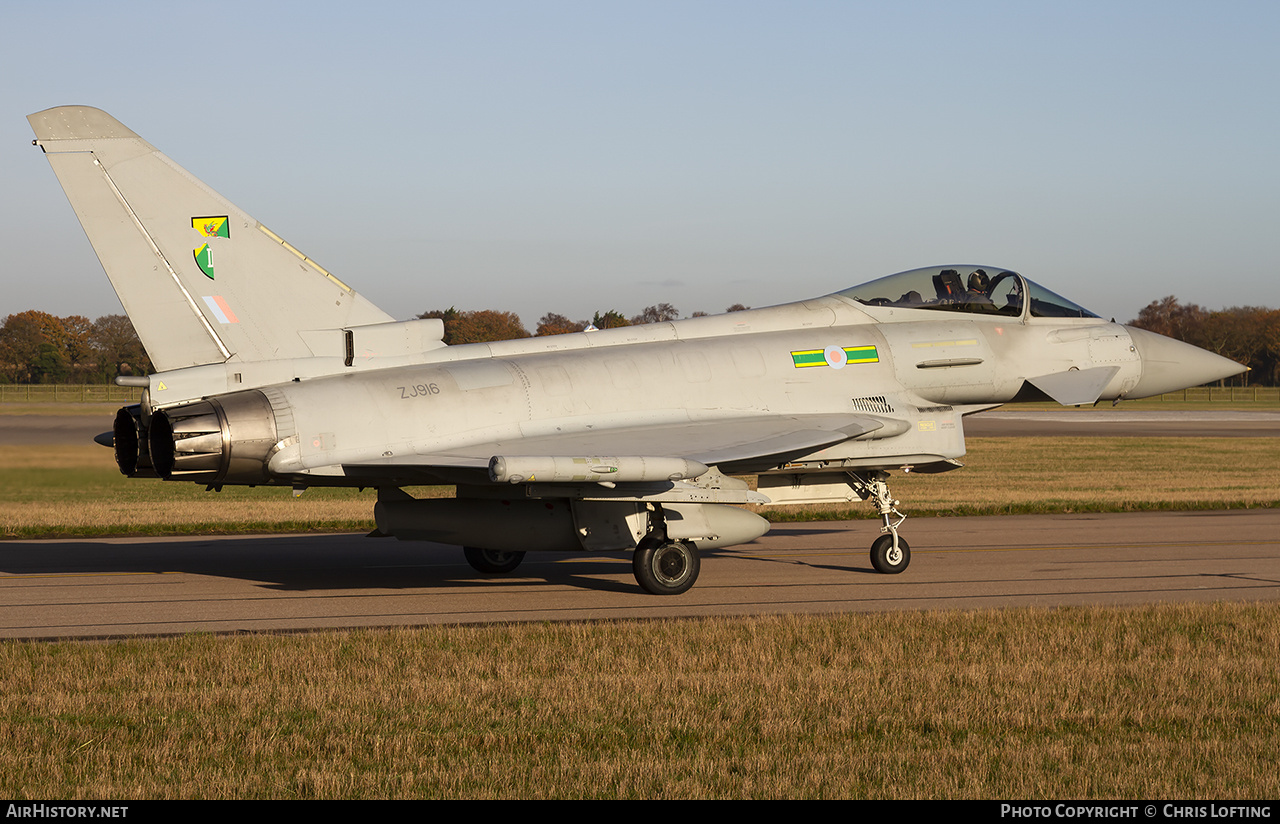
x,y
582,156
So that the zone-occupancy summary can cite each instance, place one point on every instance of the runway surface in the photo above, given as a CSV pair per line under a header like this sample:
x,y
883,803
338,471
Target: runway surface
x,y
125,587
37,429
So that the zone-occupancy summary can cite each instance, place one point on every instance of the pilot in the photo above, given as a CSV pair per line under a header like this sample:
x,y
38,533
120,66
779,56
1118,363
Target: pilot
x,y
979,287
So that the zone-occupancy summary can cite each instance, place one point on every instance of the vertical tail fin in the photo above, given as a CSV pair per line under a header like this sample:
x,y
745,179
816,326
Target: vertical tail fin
x,y
202,281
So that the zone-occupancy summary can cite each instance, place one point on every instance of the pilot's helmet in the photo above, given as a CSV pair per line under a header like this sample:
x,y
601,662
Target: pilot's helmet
x,y
979,282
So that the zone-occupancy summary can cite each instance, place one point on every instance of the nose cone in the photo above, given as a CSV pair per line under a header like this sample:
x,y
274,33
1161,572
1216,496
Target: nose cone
x,y
1169,365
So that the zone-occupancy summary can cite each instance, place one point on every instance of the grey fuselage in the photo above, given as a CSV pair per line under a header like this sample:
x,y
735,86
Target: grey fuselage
x,y
524,397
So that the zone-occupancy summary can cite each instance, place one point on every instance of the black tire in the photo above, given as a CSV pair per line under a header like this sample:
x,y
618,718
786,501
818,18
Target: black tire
x,y
885,560
666,569
492,561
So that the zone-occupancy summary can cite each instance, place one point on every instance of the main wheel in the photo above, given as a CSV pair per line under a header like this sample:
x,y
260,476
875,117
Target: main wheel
x,y
666,569
493,561
888,560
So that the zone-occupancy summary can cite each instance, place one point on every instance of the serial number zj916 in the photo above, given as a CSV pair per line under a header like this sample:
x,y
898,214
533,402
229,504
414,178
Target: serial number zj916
x,y
418,390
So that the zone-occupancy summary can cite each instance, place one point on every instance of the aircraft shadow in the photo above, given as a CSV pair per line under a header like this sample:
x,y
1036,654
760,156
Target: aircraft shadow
x,y
311,563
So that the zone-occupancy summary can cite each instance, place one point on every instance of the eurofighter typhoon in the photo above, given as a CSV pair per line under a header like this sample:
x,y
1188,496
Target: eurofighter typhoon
x,y
273,371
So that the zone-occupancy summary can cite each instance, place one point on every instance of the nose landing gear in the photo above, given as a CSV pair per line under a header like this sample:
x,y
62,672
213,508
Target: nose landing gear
x,y
890,553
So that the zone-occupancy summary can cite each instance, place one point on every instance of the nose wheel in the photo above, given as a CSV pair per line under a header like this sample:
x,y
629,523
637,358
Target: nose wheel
x,y
890,554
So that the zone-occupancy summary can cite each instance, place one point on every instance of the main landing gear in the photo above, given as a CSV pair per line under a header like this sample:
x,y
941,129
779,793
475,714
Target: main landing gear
x,y
661,567
890,553
665,567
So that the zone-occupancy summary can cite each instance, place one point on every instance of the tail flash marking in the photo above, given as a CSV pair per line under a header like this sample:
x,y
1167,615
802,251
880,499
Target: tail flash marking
x,y
221,310
209,227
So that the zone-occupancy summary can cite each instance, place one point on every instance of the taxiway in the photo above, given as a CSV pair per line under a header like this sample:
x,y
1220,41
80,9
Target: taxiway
x,y
127,587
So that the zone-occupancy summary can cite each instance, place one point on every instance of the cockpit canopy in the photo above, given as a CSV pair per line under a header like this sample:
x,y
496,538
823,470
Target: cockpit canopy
x,y
979,290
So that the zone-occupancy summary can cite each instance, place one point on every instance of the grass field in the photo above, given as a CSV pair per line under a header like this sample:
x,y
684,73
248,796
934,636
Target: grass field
x,y
48,491
1173,702
51,491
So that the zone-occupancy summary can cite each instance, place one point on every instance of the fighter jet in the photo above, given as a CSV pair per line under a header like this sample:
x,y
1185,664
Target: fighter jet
x,y
273,371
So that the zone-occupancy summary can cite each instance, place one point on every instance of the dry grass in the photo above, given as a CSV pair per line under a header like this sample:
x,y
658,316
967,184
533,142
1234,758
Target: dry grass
x,y
1031,475
76,490
1157,702
48,491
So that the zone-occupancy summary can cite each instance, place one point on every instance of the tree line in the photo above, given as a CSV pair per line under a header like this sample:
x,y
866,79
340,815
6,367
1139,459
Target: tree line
x,y
36,347
485,325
